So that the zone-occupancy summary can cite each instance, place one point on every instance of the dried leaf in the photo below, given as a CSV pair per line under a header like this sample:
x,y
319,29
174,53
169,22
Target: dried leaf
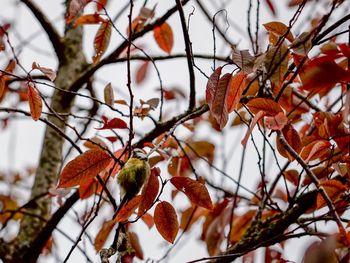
x,y
103,234
101,41
240,225
163,35
243,59
95,143
293,139
83,168
276,63
194,190
109,95
8,204
236,87
292,176
47,71
279,29
35,103
115,123
128,209
212,84
149,192
166,222
135,244
153,103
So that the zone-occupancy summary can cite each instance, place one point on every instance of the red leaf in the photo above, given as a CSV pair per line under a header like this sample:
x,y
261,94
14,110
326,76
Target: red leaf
x,y
114,123
135,244
83,168
148,220
35,103
89,19
218,106
276,122
127,210
315,150
164,37
101,41
87,189
194,190
270,107
103,234
75,7
322,73
165,219
141,72
236,86
4,77
149,192
212,84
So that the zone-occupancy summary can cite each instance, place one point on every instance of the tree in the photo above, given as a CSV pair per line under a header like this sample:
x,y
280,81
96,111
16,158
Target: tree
x,y
290,90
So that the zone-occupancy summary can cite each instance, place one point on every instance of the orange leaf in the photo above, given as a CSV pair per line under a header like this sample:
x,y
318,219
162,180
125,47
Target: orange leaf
x,y
212,84
83,168
149,192
35,103
218,107
333,188
75,7
141,72
236,86
4,77
315,150
8,204
115,123
292,176
276,122
270,107
279,29
127,210
194,190
164,37
100,4
103,234
89,19
101,41
239,225
276,63
165,219
254,121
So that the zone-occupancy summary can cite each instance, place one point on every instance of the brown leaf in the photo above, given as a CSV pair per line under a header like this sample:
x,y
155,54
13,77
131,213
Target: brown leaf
x,y
194,190
89,19
163,35
127,210
95,143
240,224
149,192
236,87
84,167
292,176
199,149
276,63
270,107
218,107
109,95
148,220
47,71
4,77
166,222
293,139
35,103
212,84
100,4
75,7
243,59
101,41
103,234
279,29
8,204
